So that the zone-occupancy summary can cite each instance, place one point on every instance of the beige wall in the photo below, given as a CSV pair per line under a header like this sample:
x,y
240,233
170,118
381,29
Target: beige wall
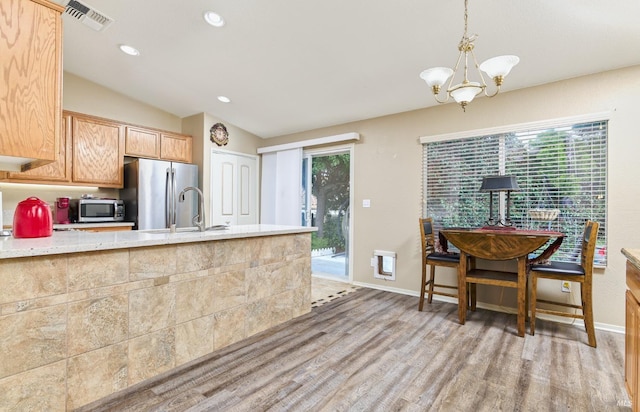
x,y
388,171
83,96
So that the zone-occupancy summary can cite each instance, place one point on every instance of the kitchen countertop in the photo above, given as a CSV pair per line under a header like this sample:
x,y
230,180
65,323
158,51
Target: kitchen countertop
x,y
633,255
73,241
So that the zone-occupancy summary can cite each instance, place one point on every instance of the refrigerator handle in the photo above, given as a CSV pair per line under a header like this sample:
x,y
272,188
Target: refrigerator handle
x,y
174,202
168,198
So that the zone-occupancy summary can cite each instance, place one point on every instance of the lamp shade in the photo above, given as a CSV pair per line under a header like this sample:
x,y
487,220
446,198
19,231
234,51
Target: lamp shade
x,y
497,183
436,76
499,66
465,92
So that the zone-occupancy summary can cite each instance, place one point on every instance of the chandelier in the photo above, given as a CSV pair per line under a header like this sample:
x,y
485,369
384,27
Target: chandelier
x,y
463,93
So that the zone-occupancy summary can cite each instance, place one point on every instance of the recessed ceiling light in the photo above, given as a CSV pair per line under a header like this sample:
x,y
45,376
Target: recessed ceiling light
x,y
213,19
224,99
131,51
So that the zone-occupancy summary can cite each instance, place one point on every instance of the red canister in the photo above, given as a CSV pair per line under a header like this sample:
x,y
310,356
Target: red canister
x,y
32,219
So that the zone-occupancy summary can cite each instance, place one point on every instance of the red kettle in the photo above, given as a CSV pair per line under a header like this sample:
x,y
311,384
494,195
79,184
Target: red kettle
x,y
32,218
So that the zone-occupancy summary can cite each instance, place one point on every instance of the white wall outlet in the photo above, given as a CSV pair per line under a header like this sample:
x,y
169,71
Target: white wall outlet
x,y
366,203
566,287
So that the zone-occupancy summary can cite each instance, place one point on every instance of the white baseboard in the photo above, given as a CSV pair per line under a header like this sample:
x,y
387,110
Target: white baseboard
x,y
496,308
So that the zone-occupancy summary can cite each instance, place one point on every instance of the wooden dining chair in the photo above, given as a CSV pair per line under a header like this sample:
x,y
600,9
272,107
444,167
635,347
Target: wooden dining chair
x,y
431,257
581,273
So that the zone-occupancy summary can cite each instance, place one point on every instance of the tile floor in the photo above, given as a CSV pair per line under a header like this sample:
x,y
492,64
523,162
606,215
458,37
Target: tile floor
x,y
325,290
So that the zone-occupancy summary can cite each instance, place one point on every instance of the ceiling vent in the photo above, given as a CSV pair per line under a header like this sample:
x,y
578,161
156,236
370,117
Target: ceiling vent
x,y
88,15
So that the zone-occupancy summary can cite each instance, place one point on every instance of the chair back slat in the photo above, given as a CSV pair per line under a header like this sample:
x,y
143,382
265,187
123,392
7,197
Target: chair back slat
x,y
426,235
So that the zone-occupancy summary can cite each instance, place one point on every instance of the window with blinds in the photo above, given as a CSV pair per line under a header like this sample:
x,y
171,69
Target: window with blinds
x,y
562,167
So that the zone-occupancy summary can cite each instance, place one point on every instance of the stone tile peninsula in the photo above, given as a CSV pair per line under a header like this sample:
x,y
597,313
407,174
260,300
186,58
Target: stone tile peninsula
x,y
87,314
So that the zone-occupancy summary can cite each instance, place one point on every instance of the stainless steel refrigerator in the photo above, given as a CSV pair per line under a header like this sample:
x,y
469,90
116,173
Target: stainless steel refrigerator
x,y
150,193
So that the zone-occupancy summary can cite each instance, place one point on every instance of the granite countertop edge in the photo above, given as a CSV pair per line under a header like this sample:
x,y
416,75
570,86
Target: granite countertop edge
x,y
633,255
62,242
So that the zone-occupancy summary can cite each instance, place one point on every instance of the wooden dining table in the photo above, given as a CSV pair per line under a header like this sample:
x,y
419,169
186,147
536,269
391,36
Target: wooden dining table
x,y
496,244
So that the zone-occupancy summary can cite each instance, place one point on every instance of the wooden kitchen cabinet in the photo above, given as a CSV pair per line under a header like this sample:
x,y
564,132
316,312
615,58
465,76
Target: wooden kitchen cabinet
x,y
58,172
98,151
140,142
30,95
157,144
176,147
105,229
91,152
632,336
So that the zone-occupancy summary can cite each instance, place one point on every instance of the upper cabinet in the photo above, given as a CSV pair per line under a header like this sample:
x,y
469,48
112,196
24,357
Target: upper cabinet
x,y
91,152
176,147
157,144
58,172
98,151
139,142
30,83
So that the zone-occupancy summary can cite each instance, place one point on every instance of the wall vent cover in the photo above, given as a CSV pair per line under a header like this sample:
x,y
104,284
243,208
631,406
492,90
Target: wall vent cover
x,y
87,15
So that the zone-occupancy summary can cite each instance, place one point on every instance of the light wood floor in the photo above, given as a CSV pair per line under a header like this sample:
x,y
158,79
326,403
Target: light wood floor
x,y
373,350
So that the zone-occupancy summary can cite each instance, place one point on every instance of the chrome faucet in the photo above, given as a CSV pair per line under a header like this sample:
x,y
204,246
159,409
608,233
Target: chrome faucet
x,y
198,220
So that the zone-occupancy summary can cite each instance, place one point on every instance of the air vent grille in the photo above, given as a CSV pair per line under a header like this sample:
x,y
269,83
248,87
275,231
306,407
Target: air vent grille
x,y
87,15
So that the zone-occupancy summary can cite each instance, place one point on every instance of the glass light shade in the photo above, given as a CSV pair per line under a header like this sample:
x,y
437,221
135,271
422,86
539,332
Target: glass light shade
x,y
466,92
499,66
436,76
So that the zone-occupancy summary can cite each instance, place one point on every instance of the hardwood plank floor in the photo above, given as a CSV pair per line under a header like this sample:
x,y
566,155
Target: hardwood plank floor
x,y
374,351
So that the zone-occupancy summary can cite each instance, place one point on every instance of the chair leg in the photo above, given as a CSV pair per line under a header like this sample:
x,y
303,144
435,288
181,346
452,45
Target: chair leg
x,y
432,278
587,310
526,299
424,284
471,288
532,303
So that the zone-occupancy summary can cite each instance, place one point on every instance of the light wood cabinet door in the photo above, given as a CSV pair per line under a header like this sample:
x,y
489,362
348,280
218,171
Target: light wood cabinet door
x,y
30,91
58,172
106,229
631,347
98,152
139,142
176,147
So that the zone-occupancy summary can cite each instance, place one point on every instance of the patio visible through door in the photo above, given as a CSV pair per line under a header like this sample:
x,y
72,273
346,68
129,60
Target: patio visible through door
x,y
326,198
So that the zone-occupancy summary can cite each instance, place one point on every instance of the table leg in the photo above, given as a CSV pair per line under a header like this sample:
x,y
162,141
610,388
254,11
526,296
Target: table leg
x,y
462,288
522,293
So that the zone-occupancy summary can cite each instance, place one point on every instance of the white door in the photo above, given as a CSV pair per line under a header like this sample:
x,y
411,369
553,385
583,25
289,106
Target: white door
x,y
234,188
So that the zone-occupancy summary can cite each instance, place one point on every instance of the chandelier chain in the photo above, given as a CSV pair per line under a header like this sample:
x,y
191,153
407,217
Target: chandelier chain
x,y
466,16
466,43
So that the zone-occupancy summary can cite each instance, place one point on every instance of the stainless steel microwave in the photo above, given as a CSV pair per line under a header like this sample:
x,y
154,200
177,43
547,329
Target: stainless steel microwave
x,y
96,210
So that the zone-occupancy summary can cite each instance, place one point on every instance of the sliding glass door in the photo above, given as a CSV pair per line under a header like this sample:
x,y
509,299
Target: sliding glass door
x,y
326,204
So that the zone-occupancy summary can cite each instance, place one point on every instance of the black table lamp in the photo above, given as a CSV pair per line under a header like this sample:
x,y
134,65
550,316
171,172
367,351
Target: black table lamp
x,y
499,184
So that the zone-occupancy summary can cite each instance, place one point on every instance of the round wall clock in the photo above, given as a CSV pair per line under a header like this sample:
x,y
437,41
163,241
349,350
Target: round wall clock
x,y
219,134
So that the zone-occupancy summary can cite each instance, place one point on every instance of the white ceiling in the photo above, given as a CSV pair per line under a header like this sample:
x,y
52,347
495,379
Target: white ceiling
x,y
294,65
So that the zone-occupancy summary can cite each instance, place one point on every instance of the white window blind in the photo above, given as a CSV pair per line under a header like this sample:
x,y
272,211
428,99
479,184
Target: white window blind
x,y
561,167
